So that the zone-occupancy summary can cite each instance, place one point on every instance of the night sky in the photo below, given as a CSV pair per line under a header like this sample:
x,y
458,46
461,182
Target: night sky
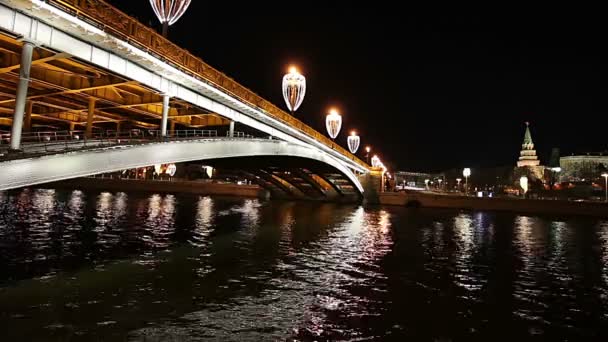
x,y
427,91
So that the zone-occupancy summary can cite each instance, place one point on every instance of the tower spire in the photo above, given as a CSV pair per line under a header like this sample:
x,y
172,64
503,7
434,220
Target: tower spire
x,y
527,156
528,143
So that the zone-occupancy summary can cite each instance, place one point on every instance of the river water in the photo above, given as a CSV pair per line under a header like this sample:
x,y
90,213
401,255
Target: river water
x,y
101,266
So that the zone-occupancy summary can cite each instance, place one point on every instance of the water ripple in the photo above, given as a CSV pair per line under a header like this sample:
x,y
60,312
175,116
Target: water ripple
x,y
116,266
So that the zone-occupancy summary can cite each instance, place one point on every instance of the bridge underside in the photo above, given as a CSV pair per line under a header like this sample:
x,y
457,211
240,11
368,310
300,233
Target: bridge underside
x,y
290,177
62,88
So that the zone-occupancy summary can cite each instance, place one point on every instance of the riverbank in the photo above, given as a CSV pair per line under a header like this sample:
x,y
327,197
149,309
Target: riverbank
x,y
528,206
164,186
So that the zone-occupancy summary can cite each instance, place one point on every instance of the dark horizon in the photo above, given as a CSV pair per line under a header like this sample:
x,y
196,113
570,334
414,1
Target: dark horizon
x,y
427,91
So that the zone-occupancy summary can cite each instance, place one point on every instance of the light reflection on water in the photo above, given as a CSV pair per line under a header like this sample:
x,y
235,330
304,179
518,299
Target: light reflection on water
x,y
118,266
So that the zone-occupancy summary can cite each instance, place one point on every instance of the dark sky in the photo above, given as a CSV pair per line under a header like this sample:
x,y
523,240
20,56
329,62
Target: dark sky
x,y
427,91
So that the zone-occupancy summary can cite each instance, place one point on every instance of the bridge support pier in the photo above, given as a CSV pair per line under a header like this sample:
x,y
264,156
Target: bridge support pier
x,y
165,118
91,113
373,185
21,96
231,131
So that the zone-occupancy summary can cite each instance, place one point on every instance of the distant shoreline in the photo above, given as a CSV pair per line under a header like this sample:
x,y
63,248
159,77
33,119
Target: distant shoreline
x,y
528,206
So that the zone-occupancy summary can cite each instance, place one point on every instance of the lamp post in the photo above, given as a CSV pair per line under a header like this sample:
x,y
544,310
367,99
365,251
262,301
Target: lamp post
x,y
466,173
554,172
426,183
440,180
294,89
458,183
605,175
367,150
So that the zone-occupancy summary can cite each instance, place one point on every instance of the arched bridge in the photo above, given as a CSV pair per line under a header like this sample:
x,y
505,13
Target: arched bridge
x,y
283,168
88,69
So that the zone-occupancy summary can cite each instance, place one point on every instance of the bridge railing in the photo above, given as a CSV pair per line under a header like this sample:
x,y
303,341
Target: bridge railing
x,y
59,141
238,134
113,21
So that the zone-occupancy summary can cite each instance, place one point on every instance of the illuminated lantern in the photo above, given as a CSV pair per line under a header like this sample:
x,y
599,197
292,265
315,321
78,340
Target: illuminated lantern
x,y
353,141
294,89
376,161
523,182
169,11
208,170
333,123
171,168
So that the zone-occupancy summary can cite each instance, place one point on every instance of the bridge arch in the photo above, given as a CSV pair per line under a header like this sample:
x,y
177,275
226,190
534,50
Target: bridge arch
x,y
68,165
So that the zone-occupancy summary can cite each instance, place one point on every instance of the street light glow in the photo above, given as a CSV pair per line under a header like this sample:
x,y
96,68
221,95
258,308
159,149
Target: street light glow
x,y
466,173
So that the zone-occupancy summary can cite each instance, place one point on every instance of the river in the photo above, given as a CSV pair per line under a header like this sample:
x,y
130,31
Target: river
x,y
82,266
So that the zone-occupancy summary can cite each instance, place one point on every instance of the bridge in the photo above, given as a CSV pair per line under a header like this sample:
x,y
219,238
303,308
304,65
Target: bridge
x,y
86,89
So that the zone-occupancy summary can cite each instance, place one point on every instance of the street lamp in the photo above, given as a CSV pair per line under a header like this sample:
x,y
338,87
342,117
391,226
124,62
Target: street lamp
x,y
169,11
294,89
353,141
426,183
333,123
555,171
440,180
605,175
458,183
466,173
367,150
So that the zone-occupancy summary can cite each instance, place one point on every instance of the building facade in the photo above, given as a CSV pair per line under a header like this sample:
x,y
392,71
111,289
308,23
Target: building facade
x,y
585,167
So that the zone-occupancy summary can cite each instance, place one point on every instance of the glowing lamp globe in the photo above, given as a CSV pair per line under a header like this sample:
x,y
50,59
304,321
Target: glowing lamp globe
x,y
466,172
333,123
353,142
294,89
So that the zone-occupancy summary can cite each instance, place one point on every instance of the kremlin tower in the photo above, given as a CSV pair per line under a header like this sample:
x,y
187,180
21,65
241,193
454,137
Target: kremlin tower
x,y
527,156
